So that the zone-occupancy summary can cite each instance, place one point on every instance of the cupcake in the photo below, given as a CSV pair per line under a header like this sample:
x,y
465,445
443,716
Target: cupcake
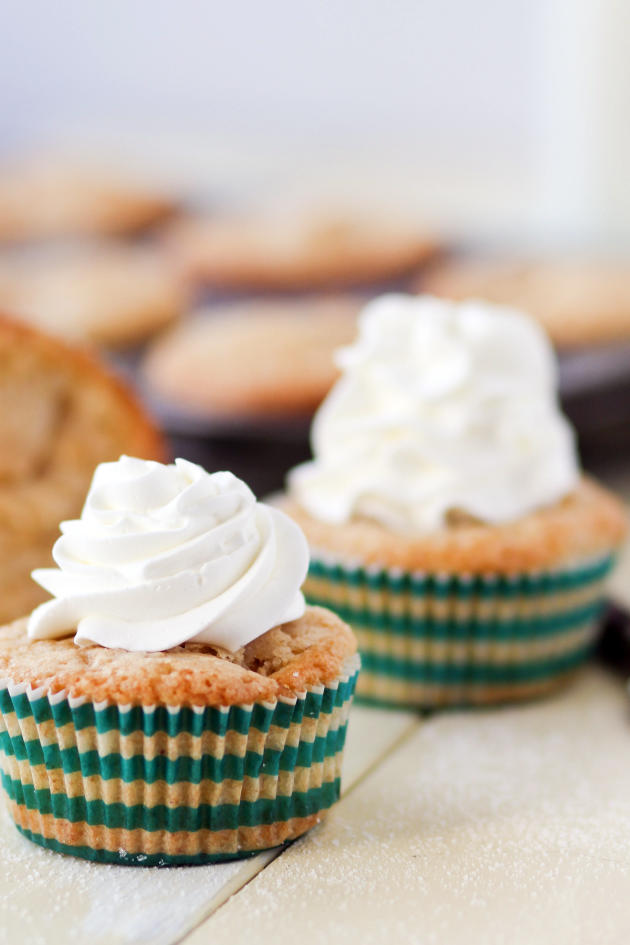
x,y
448,519
175,701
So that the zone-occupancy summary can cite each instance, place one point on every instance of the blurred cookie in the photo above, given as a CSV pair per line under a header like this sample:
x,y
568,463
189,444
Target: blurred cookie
x,y
39,200
256,358
296,253
107,294
578,302
61,413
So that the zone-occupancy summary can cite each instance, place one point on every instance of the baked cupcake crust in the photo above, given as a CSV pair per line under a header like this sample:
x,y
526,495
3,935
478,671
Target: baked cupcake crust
x,y
283,661
589,521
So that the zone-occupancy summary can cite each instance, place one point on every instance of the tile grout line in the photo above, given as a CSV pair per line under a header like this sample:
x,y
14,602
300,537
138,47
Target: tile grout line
x,y
238,884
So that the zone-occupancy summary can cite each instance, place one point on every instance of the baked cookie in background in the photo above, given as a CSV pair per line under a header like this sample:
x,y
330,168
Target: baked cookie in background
x,y
252,359
102,292
296,252
61,413
44,199
579,302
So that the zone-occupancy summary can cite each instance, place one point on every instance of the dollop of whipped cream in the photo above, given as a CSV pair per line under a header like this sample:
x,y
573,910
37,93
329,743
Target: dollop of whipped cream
x,y
440,407
165,554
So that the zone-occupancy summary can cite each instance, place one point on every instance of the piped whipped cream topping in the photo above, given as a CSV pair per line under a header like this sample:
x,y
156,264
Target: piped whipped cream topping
x,y
165,554
440,407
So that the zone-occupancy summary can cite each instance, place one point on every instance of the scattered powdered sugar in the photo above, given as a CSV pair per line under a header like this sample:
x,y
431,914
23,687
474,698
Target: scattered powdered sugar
x,y
46,898
506,826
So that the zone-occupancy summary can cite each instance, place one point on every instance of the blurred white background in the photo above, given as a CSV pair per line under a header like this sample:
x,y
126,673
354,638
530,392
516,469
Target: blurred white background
x,y
493,116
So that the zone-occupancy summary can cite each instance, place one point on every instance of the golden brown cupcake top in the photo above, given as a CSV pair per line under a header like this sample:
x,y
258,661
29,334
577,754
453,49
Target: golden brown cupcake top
x,y
589,521
309,651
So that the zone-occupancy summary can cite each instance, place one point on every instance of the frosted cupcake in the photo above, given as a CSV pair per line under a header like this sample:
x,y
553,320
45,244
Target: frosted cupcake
x,y
448,520
176,701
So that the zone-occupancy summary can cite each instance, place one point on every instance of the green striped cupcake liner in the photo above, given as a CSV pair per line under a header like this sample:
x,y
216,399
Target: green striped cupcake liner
x,y
436,640
160,785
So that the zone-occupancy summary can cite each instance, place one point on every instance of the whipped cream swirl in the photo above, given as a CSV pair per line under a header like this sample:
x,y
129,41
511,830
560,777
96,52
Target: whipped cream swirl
x,y
441,407
165,554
